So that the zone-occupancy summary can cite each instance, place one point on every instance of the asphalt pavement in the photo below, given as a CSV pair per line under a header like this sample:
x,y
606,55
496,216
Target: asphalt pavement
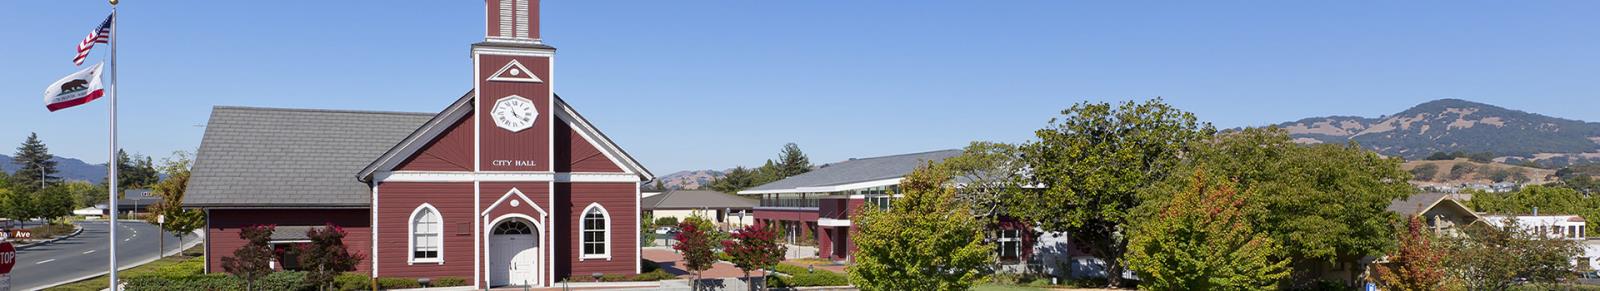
x,y
85,255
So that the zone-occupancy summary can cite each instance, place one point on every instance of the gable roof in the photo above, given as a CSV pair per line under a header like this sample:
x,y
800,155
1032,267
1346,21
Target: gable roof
x,y
1420,203
827,177
276,157
462,108
695,199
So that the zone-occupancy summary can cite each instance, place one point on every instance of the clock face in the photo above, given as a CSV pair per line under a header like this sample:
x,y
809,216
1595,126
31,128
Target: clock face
x,y
514,113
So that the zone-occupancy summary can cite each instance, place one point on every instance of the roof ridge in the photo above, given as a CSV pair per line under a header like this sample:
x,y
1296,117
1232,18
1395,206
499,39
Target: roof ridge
x,y
896,155
318,110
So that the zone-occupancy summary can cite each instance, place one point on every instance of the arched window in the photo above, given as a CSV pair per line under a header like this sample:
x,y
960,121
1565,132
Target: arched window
x,y
426,239
596,232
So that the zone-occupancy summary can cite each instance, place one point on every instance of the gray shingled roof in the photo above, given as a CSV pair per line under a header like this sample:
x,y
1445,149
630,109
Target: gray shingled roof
x,y
695,199
273,157
1415,205
856,170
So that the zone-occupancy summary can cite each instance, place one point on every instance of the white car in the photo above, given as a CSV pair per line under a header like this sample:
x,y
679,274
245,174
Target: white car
x,y
666,230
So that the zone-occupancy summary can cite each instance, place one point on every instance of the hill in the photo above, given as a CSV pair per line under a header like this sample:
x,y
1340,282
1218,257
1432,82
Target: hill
x,y
1449,125
67,168
689,180
1464,171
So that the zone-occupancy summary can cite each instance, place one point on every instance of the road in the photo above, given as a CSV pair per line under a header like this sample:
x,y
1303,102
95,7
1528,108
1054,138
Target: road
x,y
85,255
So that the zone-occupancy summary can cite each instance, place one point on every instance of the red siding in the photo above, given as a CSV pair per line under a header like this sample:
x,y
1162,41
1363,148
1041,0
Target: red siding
x,y
222,236
619,200
532,144
451,151
397,200
493,13
576,154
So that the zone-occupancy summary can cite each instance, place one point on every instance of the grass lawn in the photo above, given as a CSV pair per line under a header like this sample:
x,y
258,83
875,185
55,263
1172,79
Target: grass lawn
x,y
99,283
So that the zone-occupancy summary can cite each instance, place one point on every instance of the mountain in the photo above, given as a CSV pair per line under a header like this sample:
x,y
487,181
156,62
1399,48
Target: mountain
x,y
689,180
66,168
1449,125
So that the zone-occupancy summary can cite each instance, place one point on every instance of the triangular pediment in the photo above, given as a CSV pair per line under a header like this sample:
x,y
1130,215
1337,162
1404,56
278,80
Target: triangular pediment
x,y
514,71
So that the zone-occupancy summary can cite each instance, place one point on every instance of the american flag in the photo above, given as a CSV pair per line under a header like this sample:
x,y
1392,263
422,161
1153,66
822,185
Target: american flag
x,y
100,34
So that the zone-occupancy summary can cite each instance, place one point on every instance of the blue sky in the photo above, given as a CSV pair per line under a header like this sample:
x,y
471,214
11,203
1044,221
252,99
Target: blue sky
x,y
714,84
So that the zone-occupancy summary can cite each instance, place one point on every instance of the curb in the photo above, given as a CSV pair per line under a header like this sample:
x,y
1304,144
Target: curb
x,y
198,240
75,231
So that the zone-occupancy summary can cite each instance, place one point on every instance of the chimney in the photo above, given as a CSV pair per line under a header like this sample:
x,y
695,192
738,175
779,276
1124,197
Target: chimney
x,y
513,21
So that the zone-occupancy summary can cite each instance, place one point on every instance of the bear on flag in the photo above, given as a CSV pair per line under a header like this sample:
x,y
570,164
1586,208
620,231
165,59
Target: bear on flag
x,y
75,89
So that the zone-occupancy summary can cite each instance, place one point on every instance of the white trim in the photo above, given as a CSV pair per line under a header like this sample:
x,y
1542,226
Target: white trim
x,y
374,230
411,236
638,250
514,64
830,222
519,194
583,218
550,155
607,146
538,224
426,133
478,239
288,241
587,137
518,52
825,189
503,176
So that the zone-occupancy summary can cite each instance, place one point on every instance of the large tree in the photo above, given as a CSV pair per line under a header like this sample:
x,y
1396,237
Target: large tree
x,y
926,240
1325,203
1547,200
1490,258
1092,162
987,174
135,171
37,169
695,244
1201,239
791,161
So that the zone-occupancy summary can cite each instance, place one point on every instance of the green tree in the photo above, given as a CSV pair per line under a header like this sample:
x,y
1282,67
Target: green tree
x,y
926,240
791,161
250,261
753,248
85,194
52,203
135,171
1418,265
989,173
1093,160
735,180
1425,172
18,206
37,170
1202,240
327,256
696,247
1461,169
1548,200
177,221
1325,203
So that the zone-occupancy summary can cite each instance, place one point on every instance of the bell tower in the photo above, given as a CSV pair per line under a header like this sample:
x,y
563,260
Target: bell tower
x,y
512,78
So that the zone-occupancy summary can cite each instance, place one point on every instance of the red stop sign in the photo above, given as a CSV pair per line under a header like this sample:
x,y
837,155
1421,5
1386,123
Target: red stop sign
x,y
8,257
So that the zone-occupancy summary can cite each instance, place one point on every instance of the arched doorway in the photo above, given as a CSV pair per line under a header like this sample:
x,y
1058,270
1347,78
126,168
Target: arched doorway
x,y
514,253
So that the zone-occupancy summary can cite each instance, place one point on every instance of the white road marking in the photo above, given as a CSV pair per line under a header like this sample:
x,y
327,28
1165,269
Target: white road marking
x,y
88,252
45,261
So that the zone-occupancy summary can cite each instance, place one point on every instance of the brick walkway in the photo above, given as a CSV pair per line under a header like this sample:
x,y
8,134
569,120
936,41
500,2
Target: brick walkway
x,y
673,263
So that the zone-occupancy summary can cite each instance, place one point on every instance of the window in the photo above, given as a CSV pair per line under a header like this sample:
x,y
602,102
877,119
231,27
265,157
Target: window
x,y
425,235
882,201
1010,243
596,232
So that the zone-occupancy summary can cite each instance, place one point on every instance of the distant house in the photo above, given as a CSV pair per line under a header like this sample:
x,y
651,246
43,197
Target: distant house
x,y
1570,227
726,210
820,206
1442,212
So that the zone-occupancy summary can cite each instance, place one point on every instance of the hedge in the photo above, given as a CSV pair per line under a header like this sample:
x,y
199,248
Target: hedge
x,y
801,277
274,281
656,275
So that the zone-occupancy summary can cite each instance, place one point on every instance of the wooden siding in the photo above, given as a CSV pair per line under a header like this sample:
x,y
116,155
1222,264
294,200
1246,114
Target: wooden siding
x,y
397,200
576,154
532,144
451,151
619,201
222,237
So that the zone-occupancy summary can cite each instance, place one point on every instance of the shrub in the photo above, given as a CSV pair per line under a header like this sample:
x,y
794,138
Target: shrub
x,y
186,268
656,275
449,282
666,221
284,281
397,283
203,282
808,280
352,281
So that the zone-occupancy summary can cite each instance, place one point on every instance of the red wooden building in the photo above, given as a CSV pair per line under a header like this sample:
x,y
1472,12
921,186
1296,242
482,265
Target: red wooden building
x,y
507,185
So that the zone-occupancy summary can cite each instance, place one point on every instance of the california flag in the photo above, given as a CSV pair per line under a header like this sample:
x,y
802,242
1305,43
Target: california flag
x,y
76,89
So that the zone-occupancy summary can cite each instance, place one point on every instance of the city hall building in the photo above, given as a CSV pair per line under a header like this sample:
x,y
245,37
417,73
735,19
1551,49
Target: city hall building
x,y
507,185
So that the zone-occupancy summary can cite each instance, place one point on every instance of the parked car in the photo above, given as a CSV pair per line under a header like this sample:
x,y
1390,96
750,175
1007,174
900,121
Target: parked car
x,y
666,230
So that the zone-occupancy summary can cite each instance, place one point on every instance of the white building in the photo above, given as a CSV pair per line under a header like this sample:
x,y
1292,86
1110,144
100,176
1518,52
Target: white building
x,y
1571,227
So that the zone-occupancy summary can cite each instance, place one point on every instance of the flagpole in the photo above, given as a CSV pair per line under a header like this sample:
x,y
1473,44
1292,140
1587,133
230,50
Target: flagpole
x,y
113,165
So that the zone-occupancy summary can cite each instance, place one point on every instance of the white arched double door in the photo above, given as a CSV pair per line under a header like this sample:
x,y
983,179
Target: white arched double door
x,y
514,253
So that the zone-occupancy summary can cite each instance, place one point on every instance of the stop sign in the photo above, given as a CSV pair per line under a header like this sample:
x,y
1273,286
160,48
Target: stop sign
x,y
8,257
